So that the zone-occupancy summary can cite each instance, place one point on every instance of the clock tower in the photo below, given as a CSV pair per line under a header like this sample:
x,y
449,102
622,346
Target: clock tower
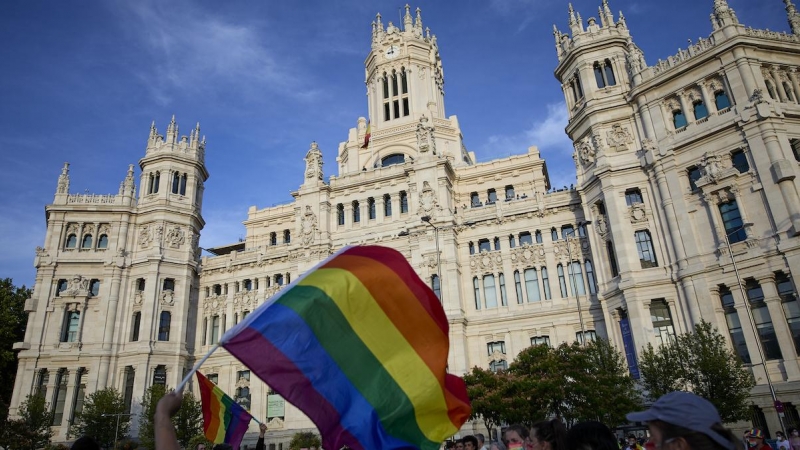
x,y
405,102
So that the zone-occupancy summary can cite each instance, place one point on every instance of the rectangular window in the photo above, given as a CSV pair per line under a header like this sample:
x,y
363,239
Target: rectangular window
x,y
662,321
475,201
734,324
732,220
496,351
540,340
356,212
484,246
576,278
492,196
70,331
567,231
791,308
477,291
546,284
503,295
509,192
60,398
644,245
213,377
436,286
562,282
387,206
525,238
532,285
739,161
214,330
518,286
612,259
94,288
590,277
489,291
396,107
386,112
80,392
405,106
137,322
591,336
130,377
403,202
169,284
372,213
694,174
633,196
766,331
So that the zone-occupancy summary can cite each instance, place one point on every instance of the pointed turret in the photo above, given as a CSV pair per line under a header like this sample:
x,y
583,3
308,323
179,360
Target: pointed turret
x,y
63,180
793,16
723,15
574,25
172,131
408,21
418,22
606,15
621,22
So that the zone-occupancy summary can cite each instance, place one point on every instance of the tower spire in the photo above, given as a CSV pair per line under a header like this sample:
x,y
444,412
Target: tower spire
x,y
723,15
574,22
63,180
607,15
418,22
794,17
408,21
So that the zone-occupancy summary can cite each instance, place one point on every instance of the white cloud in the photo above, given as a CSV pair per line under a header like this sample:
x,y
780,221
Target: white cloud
x,y
202,50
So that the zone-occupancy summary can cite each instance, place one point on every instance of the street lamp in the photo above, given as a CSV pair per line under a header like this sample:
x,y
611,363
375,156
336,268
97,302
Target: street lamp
x,y
752,320
573,282
427,219
116,430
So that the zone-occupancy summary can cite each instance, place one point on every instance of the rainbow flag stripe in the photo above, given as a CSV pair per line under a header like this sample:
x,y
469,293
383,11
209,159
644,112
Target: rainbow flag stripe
x,y
360,346
224,420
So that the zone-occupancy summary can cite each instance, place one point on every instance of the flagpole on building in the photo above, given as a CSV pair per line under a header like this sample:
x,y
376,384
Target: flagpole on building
x,y
194,369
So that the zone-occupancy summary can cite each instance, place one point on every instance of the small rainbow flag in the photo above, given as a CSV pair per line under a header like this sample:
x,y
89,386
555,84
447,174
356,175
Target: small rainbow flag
x,y
224,420
367,135
360,345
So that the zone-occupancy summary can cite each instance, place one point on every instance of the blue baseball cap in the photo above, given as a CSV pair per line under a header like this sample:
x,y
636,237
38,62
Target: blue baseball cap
x,y
686,410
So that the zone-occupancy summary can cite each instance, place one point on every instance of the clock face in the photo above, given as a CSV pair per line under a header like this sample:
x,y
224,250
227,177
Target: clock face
x,y
392,52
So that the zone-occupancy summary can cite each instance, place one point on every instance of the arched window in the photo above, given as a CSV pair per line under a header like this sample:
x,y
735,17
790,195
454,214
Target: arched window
x,y
156,182
491,197
532,285
721,100
385,86
538,235
279,280
183,184
356,212
371,213
403,202
546,284
387,205
94,288
471,248
340,214
590,276
248,285
700,110
609,73
61,286
102,242
72,241
176,182
562,282
395,98
436,286
273,238
404,91
578,85
287,236
511,242
163,326
598,76
150,183
678,119
553,234
393,159
518,286
87,241
497,243
476,287
503,295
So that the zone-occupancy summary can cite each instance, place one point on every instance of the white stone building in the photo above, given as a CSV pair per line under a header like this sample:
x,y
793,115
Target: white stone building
x,y
671,158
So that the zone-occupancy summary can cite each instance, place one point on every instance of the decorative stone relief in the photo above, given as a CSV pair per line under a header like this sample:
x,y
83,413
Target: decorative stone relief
x,y
638,213
176,237
308,227
485,261
213,304
104,229
586,151
425,139
77,286
275,423
168,298
497,355
73,229
145,236
618,138
576,248
63,180
427,199
527,255
710,168
314,162
138,298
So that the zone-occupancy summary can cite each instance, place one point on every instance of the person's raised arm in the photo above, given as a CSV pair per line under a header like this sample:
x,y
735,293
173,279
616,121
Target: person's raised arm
x,y
262,429
164,431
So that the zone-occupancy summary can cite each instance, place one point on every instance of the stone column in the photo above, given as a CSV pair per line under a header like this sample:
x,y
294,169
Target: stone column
x,y
795,84
687,108
776,78
708,100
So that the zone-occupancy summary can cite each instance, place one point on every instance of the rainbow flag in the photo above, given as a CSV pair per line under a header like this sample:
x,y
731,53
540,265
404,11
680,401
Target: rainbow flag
x,y
224,420
359,344
367,136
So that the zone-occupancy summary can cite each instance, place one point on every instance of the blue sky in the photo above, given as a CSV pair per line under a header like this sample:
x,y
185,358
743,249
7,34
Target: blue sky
x,y
82,80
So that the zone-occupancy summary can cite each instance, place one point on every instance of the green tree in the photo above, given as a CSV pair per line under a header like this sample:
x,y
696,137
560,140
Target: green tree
x,y
700,362
32,430
151,397
189,420
486,391
304,439
99,416
13,320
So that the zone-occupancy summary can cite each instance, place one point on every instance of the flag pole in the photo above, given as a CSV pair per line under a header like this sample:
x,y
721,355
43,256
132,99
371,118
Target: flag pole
x,y
194,369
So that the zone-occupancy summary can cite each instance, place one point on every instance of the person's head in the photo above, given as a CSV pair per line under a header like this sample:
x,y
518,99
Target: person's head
x,y
200,446
470,443
449,445
548,435
515,436
460,444
779,435
85,443
631,441
481,439
591,436
685,421
755,438
497,445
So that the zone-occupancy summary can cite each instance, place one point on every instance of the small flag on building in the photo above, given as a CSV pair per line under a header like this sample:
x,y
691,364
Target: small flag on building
x,y
367,136
360,346
224,420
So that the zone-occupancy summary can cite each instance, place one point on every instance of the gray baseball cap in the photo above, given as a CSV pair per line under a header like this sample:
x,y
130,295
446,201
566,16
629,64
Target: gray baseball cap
x,y
686,410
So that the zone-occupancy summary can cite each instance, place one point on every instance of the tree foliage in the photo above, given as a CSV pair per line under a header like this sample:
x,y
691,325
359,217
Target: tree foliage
x,y
189,420
700,362
13,320
570,381
149,401
32,430
99,416
304,439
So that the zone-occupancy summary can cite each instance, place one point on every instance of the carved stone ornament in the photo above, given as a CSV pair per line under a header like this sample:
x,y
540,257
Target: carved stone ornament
x,y
427,199
176,237
602,225
586,151
145,236
72,229
638,213
485,261
425,139
308,226
63,180
527,255
138,298
758,96
710,168
618,138
77,286
168,298
275,423
314,162
497,355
